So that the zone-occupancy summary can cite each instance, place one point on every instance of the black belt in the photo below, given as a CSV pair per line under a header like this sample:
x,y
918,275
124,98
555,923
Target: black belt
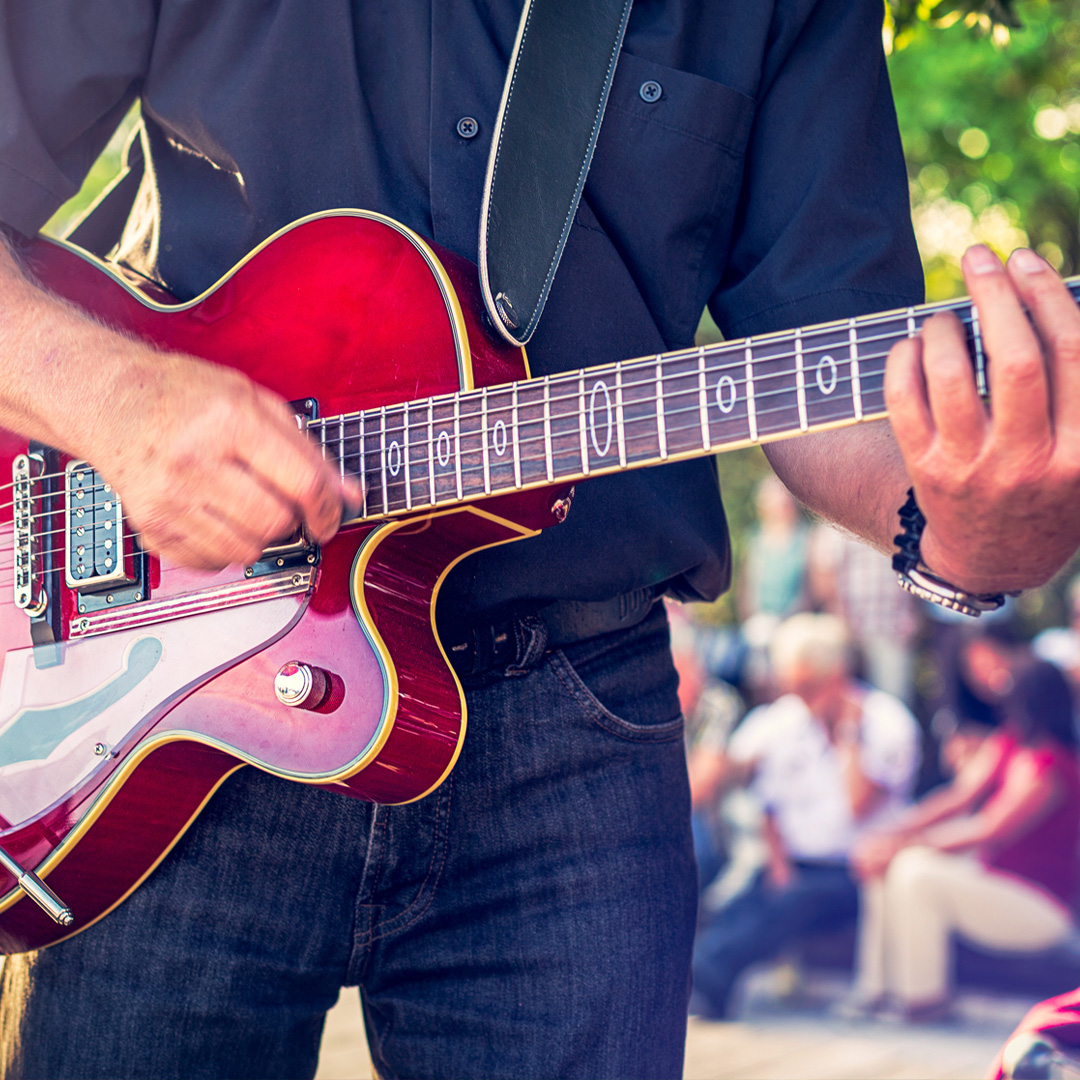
x,y
516,645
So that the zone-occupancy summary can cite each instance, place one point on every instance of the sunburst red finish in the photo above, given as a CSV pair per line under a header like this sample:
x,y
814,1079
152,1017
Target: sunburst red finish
x,y
346,309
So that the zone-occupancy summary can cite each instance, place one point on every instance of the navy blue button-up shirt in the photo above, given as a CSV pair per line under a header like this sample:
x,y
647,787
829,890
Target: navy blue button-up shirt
x,y
765,179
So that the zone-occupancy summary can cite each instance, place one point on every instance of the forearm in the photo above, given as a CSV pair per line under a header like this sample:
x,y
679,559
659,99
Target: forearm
x,y
854,477
60,368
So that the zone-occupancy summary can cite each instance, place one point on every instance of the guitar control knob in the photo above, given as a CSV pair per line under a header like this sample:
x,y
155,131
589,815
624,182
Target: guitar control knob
x,y
304,686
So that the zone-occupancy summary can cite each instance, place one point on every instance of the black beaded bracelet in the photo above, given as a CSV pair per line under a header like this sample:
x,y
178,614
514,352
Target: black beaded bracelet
x,y
919,581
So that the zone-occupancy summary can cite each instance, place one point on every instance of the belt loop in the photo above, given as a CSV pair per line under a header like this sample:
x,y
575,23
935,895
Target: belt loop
x,y
531,637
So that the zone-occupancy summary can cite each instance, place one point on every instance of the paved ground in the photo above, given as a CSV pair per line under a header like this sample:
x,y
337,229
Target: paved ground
x,y
789,1037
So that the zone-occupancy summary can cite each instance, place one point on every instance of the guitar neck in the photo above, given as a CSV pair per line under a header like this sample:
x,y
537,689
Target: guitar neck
x,y
455,448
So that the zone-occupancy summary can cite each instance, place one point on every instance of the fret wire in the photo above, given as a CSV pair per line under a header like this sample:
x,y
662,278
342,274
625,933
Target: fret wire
x,y
751,393
484,432
341,444
620,434
431,450
322,439
980,359
549,454
661,434
382,460
405,456
363,464
582,435
517,441
457,445
800,382
703,400
853,349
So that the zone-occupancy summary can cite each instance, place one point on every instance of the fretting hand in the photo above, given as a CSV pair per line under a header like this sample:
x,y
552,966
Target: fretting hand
x,y
1000,488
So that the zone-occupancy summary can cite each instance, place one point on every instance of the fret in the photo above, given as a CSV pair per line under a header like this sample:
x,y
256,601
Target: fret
x,y
682,402
751,405
348,427
620,420
433,495
443,459
729,401
457,446
517,443
980,358
549,464
599,415
417,457
800,382
322,437
827,385
469,432
877,336
703,400
853,354
639,407
371,449
360,458
484,427
393,446
382,460
405,452
776,400
661,433
500,405
532,432
583,438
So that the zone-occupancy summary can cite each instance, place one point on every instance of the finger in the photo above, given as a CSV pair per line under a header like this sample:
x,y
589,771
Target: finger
x,y
951,388
291,467
1016,371
1057,322
906,400
257,514
198,540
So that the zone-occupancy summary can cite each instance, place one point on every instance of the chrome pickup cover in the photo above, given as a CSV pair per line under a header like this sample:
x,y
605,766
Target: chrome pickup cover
x,y
99,555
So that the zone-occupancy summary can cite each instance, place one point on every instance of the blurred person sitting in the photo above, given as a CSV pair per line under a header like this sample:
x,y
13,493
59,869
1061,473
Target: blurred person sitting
x,y
828,758
991,856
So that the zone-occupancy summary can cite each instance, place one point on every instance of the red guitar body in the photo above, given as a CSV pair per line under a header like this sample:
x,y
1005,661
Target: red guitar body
x,y
116,733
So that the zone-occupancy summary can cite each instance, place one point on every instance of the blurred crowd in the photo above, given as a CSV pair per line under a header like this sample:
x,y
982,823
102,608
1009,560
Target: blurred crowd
x,y
862,763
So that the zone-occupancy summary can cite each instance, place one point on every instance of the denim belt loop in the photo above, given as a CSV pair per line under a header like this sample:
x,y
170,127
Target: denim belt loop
x,y
517,645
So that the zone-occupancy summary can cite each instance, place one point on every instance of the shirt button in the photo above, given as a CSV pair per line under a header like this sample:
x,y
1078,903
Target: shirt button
x,y
650,91
467,127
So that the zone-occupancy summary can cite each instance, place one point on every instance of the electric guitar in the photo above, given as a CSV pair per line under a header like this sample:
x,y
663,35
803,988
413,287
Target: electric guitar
x,y
131,688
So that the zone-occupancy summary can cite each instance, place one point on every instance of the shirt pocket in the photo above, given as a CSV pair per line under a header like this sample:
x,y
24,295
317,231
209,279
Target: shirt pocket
x,y
664,184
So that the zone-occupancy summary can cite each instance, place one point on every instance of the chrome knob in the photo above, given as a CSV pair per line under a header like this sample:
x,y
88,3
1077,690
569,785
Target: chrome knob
x,y
304,686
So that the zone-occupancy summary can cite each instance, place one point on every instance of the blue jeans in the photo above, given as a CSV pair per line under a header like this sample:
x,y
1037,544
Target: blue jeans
x,y
759,922
533,917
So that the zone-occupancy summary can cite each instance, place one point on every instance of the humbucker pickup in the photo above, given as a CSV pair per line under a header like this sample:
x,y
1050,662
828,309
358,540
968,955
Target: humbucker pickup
x,y
99,554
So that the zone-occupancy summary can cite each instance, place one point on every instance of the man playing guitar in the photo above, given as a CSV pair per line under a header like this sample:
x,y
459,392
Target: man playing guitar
x,y
534,915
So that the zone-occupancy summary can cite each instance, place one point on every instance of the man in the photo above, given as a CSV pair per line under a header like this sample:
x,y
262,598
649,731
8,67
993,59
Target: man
x,y
828,759
535,915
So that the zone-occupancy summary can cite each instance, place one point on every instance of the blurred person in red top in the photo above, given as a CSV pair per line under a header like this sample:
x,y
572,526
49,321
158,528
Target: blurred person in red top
x,y
991,856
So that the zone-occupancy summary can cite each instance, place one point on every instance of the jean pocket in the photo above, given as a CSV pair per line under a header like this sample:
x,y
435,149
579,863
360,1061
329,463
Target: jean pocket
x,y
626,682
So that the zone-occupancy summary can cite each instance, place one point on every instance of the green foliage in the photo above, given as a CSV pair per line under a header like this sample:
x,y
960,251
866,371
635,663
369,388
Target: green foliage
x,y
990,131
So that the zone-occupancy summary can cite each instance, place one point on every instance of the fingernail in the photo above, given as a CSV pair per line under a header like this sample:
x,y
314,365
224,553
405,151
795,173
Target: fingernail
x,y
1027,261
981,260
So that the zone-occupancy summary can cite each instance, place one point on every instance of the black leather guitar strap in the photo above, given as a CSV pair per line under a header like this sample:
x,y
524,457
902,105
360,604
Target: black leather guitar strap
x,y
552,105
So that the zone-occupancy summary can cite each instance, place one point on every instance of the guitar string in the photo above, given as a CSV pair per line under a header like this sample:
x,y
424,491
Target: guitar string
x,y
674,431
736,349
426,446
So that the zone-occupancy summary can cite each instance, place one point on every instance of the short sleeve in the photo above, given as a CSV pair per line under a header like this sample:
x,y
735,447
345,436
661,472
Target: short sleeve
x,y
890,743
823,229
69,70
